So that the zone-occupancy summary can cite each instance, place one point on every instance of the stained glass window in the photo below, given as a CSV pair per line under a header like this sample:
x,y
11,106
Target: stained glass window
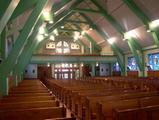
x,y
153,61
116,67
132,66
62,47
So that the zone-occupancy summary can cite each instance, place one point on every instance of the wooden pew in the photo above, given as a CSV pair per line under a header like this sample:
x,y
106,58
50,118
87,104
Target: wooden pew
x,y
105,110
29,94
27,105
25,99
73,118
33,113
148,110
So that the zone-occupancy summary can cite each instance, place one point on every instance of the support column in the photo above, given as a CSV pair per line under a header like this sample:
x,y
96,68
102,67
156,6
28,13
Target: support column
x,y
90,46
111,68
19,44
4,87
3,45
15,79
93,69
81,70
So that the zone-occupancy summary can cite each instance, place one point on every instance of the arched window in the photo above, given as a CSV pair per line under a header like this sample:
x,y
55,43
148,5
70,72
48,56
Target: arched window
x,y
62,47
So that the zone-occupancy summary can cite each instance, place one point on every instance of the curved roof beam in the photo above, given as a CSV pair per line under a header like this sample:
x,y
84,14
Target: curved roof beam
x,y
18,47
144,18
118,52
8,13
120,29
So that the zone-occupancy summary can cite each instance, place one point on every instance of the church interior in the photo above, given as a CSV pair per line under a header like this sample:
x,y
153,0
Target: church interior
x,y
79,60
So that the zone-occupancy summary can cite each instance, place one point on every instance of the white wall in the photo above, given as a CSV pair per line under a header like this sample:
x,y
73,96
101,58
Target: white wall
x,y
104,70
106,50
31,71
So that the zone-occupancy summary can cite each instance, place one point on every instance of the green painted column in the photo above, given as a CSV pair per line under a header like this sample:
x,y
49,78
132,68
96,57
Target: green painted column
x,y
9,63
93,69
15,79
33,45
28,48
3,45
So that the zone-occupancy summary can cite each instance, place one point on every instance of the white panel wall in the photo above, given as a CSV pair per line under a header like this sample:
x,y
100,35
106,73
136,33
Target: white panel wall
x,y
30,71
104,70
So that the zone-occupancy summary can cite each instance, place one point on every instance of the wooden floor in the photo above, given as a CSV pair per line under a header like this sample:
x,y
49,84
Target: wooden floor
x,y
31,100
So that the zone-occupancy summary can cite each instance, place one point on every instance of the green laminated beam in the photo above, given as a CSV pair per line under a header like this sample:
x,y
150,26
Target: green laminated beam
x,y
131,4
3,6
115,48
9,63
76,21
121,30
69,30
3,45
64,15
109,17
144,18
23,6
7,14
58,6
32,41
120,58
33,46
85,10
97,47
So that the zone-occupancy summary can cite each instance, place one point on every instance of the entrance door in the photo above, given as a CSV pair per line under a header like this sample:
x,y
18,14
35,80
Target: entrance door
x,y
44,72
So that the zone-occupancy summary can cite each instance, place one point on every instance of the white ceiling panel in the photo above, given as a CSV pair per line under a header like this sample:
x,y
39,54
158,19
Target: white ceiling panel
x,y
143,38
149,7
126,18
107,28
112,5
95,36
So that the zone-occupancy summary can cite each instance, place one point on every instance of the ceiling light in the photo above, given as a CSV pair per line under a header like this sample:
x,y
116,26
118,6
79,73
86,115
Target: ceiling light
x,y
47,15
41,30
40,37
129,35
48,64
148,30
90,28
56,32
111,40
76,35
83,32
51,22
154,23
46,34
52,38
62,27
